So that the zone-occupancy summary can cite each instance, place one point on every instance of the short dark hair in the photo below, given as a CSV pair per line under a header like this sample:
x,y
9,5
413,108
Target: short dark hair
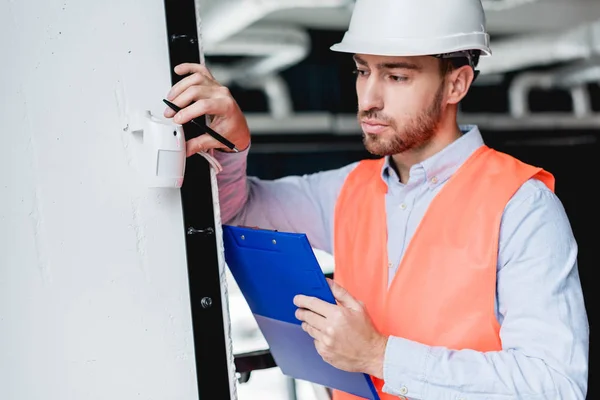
x,y
451,63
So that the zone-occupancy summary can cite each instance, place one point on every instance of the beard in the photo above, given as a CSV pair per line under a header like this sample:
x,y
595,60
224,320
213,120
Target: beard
x,y
415,134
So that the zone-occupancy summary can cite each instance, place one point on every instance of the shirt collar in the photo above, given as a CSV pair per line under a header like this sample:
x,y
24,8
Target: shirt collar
x,y
441,166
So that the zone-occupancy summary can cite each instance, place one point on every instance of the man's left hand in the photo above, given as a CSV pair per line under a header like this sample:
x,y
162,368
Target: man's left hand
x,y
344,334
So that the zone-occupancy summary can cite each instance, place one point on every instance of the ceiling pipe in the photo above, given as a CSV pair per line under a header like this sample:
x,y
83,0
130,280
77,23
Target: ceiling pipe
x,y
521,86
224,18
278,96
518,92
527,51
579,73
582,102
274,87
501,5
274,49
271,49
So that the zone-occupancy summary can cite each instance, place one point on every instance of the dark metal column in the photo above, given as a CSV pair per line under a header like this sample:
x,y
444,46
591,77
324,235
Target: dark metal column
x,y
201,247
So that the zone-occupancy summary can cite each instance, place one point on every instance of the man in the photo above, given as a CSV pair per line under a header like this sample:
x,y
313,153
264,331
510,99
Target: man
x,y
455,265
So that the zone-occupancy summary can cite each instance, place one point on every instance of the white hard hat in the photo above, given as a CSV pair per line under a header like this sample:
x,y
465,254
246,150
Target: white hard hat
x,y
415,28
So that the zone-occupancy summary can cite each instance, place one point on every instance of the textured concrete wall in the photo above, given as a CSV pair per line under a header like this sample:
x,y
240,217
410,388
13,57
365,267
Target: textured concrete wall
x,y
94,298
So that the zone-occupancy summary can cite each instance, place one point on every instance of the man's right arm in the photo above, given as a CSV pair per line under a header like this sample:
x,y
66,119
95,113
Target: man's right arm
x,y
303,204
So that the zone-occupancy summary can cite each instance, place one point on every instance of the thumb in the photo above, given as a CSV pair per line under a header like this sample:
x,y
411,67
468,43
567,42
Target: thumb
x,y
343,297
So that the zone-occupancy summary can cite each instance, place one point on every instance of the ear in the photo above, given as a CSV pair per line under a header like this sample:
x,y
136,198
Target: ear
x,y
459,83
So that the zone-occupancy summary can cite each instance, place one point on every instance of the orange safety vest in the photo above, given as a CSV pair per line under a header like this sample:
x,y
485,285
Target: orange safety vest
x,y
444,290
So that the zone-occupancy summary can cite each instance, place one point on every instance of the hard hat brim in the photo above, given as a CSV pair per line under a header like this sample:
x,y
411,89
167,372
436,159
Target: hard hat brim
x,y
406,47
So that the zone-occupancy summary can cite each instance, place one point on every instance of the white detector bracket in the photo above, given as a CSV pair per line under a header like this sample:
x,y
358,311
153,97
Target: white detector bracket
x,y
164,156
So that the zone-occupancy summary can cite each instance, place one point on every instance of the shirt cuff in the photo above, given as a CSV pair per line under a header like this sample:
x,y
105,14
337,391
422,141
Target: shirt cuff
x,y
227,158
405,368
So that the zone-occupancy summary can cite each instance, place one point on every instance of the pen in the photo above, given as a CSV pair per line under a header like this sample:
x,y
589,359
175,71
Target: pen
x,y
206,128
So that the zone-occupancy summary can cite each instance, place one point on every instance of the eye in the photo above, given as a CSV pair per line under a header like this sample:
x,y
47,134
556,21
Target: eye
x,y
360,72
398,78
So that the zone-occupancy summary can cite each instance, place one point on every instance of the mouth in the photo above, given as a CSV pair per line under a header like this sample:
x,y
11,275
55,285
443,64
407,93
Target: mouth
x,y
373,127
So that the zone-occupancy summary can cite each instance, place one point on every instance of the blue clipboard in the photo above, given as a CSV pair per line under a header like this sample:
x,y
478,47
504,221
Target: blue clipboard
x,y
271,268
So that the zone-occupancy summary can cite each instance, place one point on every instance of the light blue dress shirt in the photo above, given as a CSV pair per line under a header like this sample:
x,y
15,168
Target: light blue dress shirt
x,y
539,300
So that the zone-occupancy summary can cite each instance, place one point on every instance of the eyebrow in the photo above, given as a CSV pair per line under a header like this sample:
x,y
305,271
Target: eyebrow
x,y
390,65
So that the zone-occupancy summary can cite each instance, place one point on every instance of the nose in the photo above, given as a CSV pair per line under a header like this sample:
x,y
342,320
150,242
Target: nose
x,y
370,96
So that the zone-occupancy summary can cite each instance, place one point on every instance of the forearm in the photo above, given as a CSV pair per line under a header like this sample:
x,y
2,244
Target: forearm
x,y
421,372
254,202
303,204
233,184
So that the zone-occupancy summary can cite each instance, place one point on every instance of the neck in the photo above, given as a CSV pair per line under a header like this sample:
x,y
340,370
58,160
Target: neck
x,y
446,132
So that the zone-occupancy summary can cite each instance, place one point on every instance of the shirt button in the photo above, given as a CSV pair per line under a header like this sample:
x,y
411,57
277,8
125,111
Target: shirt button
x,y
434,180
403,206
403,390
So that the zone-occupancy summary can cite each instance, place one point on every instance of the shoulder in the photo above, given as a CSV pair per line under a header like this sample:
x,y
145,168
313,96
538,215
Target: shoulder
x,y
536,223
535,194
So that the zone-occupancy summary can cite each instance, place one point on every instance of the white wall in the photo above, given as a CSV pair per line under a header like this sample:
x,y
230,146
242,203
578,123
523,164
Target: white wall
x,y
93,286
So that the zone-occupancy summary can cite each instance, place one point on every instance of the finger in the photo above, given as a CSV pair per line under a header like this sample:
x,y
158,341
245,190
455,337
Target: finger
x,y
342,295
190,68
315,320
192,94
314,304
196,78
312,331
212,106
202,143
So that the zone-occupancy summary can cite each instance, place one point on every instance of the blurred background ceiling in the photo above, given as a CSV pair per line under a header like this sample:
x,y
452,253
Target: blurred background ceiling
x,y
275,55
